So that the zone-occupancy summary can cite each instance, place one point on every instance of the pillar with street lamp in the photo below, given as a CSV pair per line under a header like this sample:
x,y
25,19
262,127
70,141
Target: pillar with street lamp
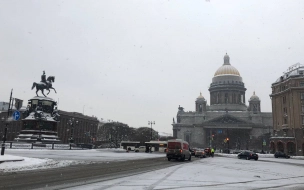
x,y
151,123
6,125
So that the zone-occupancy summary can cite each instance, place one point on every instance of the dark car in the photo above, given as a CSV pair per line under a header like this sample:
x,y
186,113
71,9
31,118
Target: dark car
x,y
192,150
281,155
248,155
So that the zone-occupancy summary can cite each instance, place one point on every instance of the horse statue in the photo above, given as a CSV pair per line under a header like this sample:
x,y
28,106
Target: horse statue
x,y
47,85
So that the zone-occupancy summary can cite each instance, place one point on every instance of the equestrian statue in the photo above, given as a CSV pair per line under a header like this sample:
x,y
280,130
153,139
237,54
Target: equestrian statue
x,y
44,84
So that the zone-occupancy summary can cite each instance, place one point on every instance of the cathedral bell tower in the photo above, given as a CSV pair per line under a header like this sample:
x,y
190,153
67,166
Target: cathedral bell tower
x,y
254,104
200,104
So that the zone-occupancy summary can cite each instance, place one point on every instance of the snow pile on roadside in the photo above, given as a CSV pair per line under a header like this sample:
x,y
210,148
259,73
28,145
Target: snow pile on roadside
x,y
33,164
6,157
119,150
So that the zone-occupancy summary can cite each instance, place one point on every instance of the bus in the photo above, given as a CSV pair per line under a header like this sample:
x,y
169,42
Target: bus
x,y
129,144
157,146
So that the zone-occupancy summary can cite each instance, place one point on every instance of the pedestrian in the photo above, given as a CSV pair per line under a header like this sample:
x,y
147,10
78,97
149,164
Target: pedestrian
x,y
150,149
209,151
212,152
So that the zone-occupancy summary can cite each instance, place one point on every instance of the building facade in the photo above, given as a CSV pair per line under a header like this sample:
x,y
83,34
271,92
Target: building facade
x,y
82,128
227,123
288,111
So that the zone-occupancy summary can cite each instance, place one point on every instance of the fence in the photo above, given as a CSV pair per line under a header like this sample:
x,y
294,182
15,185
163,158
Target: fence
x,y
12,145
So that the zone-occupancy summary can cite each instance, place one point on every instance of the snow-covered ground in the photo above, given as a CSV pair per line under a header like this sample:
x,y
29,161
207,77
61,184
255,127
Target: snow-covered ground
x,y
213,173
221,172
43,159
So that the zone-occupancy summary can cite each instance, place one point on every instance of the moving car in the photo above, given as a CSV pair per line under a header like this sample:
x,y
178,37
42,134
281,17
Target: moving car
x,y
178,149
200,153
248,155
281,155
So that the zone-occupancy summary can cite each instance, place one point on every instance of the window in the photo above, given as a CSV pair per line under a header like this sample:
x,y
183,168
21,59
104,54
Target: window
x,y
302,96
302,120
285,110
285,121
284,99
302,83
301,72
174,145
302,108
185,146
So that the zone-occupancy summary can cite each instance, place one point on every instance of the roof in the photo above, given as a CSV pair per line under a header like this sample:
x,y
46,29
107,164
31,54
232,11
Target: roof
x,y
226,68
200,96
293,71
254,97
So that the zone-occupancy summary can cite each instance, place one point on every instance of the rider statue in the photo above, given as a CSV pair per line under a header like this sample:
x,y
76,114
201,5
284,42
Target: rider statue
x,y
43,78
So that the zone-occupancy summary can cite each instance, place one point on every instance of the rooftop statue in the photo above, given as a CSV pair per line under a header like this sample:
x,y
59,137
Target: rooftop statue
x,y
44,84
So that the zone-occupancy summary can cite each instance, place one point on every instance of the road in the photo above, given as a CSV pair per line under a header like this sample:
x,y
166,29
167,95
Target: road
x,y
80,174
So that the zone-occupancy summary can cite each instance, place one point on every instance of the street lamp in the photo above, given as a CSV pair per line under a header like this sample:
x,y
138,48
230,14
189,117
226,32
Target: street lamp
x,y
151,123
71,122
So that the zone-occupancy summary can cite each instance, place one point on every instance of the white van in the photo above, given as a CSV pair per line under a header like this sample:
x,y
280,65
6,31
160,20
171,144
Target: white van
x,y
178,149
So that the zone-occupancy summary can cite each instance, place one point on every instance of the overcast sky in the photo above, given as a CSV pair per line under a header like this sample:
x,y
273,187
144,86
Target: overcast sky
x,y
136,61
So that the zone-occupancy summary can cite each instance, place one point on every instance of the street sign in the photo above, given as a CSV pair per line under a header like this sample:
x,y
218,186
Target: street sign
x,y
16,115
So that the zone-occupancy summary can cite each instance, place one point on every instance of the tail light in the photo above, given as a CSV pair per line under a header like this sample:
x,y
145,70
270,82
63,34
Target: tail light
x,y
181,151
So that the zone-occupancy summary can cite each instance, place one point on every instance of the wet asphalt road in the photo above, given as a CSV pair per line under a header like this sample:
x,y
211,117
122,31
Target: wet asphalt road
x,y
81,174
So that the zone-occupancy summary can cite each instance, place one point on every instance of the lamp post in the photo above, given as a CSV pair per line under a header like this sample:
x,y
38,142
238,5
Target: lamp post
x,y
71,122
151,123
6,124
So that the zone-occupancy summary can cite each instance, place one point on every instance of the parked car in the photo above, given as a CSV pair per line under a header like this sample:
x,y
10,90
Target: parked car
x,y
140,149
192,150
236,151
207,151
281,155
178,149
200,153
248,155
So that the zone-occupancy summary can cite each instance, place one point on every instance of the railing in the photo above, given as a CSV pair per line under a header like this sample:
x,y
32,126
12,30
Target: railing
x,y
53,146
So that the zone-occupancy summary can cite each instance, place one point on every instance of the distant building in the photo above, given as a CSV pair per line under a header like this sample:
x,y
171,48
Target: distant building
x,y
84,131
288,111
228,122
4,106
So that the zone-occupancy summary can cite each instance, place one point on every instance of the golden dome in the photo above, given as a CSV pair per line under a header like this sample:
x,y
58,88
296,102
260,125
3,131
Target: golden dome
x,y
200,96
226,68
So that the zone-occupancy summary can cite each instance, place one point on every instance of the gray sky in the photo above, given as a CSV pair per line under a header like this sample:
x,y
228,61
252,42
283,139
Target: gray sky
x,y
135,61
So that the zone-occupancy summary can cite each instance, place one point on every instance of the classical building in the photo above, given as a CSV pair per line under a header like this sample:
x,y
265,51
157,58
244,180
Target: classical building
x,y
227,123
288,111
82,128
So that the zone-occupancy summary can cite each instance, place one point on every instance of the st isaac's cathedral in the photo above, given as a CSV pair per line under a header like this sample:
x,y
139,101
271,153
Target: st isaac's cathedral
x,y
227,123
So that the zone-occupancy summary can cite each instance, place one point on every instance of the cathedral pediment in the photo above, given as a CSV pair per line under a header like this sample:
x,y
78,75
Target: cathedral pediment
x,y
227,119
